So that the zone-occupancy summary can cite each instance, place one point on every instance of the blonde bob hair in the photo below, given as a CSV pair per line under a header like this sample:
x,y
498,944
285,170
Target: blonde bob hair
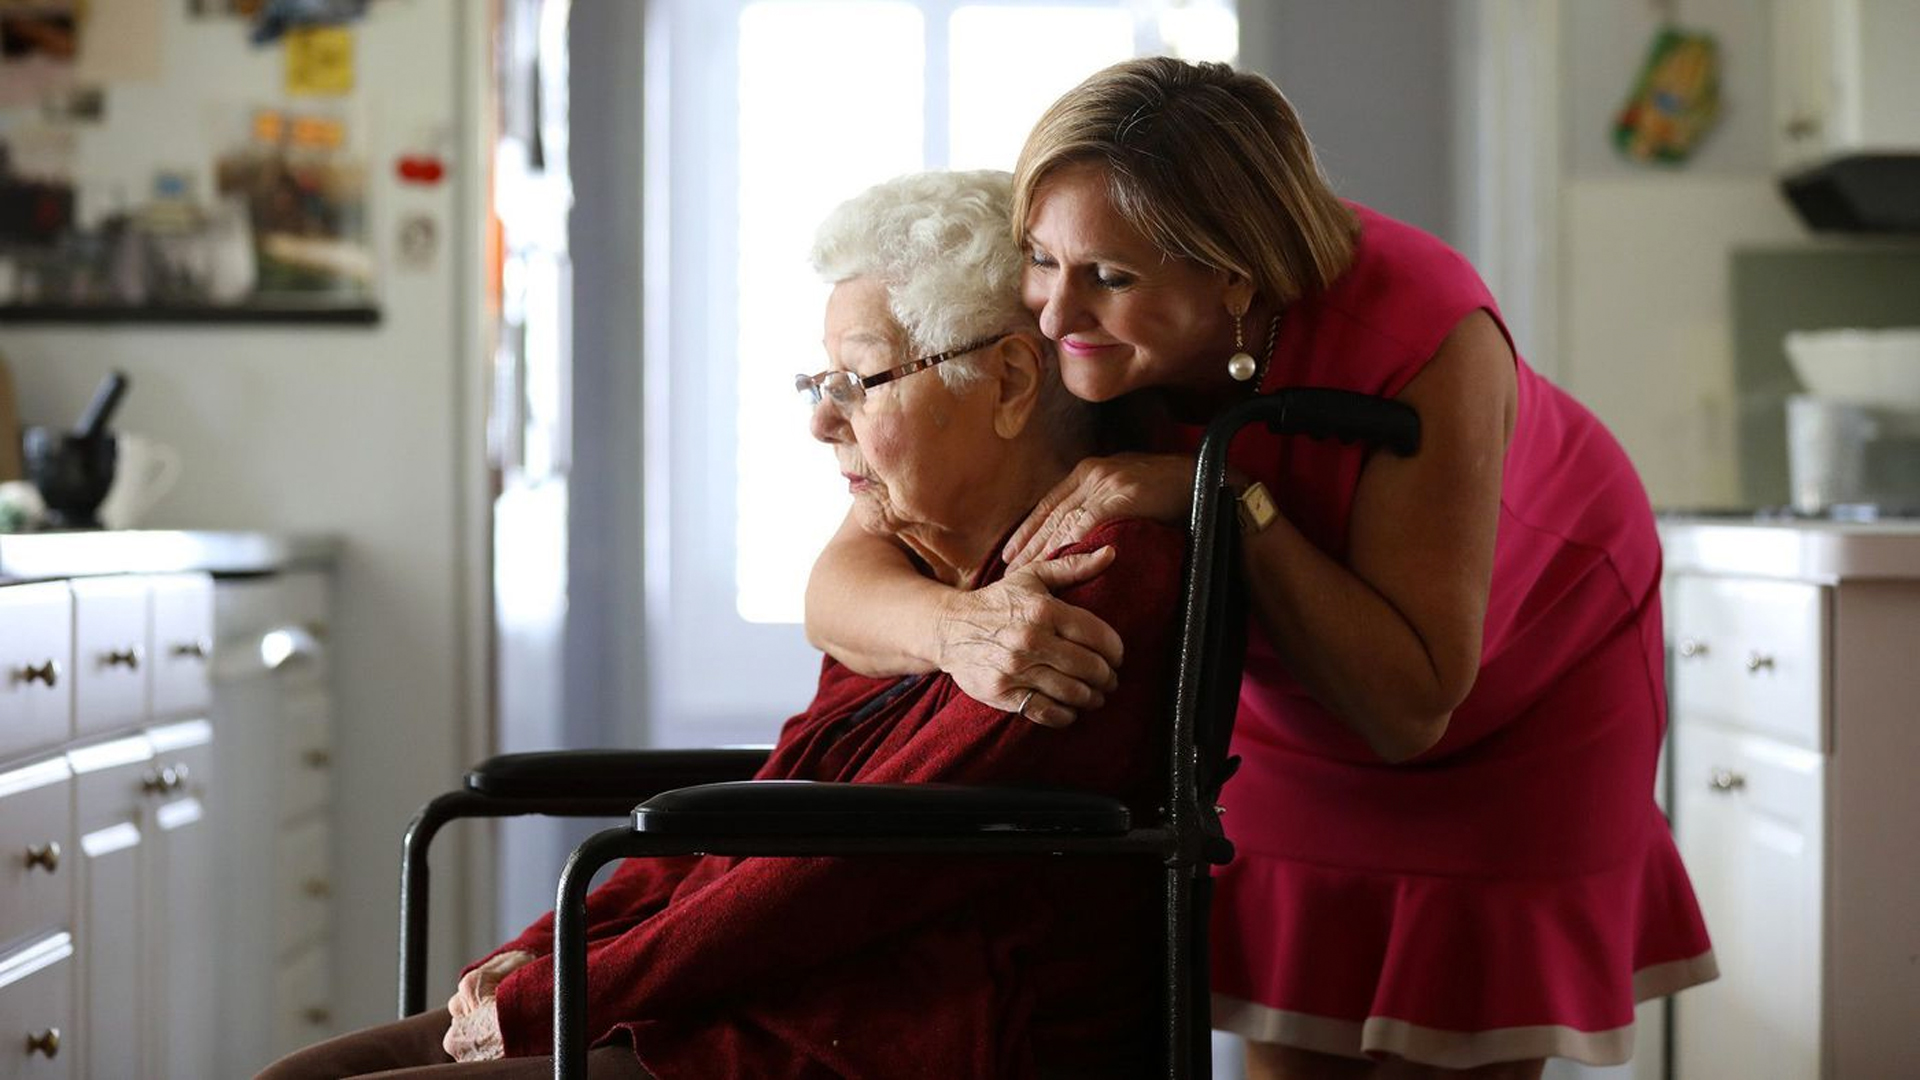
x,y
1209,163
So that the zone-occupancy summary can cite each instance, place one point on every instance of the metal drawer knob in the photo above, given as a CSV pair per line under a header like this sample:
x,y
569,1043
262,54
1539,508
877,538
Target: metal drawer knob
x,y
160,781
128,658
1692,647
1758,662
47,672
47,1042
1726,780
45,856
313,1014
191,650
316,758
316,888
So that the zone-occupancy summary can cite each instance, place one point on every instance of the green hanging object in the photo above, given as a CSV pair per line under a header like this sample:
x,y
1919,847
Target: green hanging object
x,y
1675,101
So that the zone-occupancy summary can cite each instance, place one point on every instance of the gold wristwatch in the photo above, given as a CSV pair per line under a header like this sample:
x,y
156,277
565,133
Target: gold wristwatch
x,y
1257,510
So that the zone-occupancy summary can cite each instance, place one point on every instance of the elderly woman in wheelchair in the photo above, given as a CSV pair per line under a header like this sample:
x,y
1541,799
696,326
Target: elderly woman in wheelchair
x,y
943,406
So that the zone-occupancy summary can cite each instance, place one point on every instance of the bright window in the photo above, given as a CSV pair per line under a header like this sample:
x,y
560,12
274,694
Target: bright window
x,y
830,100
1007,64
763,116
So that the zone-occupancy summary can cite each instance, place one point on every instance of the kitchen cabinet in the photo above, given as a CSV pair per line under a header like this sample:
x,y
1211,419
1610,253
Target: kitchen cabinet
x,y
143,913
273,709
1752,830
112,821
1845,79
144,878
36,833
35,1007
110,653
36,647
1796,720
108,819
182,941
36,940
182,609
163,737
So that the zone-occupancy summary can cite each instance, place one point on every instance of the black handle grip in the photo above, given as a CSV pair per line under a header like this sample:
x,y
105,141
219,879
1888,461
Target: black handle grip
x,y
93,422
1348,416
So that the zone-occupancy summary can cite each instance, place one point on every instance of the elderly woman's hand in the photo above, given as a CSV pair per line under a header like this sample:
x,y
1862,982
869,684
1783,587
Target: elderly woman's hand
x,y
1014,646
476,1036
1153,487
477,986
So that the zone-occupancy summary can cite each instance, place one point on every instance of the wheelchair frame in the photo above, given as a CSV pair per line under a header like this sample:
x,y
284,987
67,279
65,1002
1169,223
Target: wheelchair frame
x,y
690,809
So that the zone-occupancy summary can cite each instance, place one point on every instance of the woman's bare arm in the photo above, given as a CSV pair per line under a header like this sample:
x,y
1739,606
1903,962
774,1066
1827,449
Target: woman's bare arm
x,y
870,609
1391,641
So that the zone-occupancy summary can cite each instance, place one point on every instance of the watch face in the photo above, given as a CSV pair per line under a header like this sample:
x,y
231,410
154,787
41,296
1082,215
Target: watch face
x,y
1257,509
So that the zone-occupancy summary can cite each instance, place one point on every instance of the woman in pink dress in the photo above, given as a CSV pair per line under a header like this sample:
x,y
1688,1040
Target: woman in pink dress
x,y
1449,856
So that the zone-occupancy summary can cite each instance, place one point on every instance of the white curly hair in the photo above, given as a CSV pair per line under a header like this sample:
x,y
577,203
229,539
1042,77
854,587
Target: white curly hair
x,y
938,242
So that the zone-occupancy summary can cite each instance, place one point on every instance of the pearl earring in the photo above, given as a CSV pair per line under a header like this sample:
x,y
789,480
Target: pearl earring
x,y
1241,364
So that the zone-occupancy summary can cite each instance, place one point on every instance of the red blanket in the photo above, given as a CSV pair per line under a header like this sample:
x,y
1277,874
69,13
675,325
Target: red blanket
x,y
895,967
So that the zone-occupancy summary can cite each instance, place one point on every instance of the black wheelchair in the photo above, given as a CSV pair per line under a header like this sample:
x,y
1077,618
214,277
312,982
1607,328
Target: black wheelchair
x,y
696,801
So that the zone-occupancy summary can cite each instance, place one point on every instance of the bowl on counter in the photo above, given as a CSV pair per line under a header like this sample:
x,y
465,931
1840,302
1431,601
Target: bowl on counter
x,y
1877,367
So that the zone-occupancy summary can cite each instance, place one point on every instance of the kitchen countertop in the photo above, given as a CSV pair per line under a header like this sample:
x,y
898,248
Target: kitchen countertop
x,y
47,555
1796,550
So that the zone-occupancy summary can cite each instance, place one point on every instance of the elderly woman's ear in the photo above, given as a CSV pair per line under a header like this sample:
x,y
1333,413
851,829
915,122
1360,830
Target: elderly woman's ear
x,y
1022,358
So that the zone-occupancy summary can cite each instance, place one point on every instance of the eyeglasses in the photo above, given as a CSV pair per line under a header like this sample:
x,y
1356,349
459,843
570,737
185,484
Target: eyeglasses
x,y
847,390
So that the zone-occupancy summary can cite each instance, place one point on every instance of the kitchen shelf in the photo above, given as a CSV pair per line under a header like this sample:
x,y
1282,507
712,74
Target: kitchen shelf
x,y
284,314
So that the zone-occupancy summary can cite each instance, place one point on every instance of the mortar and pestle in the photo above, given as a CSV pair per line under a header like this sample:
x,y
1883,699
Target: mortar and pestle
x,y
74,469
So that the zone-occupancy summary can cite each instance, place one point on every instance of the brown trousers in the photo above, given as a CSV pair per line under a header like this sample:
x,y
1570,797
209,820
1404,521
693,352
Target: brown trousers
x,y
410,1050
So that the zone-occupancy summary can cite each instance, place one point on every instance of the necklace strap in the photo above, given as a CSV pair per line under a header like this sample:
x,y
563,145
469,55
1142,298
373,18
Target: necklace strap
x,y
1266,355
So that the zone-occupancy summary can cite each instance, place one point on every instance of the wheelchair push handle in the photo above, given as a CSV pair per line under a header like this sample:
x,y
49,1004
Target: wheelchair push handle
x,y
1349,417
1316,412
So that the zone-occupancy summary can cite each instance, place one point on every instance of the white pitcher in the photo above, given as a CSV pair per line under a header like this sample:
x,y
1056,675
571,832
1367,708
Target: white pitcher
x,y
144,471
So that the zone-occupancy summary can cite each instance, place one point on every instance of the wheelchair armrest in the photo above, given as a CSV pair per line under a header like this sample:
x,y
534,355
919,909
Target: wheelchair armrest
x,y
608,774
810,808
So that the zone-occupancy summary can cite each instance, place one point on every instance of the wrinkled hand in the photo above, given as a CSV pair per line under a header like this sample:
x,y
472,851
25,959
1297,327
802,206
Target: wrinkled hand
x,y
477,986
476,1035
1014,637
1155,487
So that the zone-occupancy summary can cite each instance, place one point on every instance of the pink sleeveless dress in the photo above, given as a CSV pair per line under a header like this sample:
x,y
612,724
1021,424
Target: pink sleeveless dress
x,y
1513,892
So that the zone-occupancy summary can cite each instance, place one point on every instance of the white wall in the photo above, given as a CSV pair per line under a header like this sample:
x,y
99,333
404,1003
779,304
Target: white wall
x,y
1373,83
1645,328
363,433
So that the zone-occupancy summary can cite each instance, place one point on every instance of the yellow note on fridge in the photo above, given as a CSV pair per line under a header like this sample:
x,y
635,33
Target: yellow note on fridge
x,y
319,60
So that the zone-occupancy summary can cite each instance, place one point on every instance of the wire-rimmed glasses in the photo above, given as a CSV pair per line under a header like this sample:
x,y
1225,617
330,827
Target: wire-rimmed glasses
x,y
847,390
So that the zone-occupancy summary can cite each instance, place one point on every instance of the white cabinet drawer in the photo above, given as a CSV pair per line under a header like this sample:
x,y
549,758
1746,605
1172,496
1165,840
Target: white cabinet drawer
x,y
306,751
110,780
301,991
182,760
109,654
1752,654
36,660
36,1010
1748,818
182,644
303,886
36,850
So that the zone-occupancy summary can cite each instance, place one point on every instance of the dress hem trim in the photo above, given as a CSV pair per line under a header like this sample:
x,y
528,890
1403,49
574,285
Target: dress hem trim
x,y
1379,1036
